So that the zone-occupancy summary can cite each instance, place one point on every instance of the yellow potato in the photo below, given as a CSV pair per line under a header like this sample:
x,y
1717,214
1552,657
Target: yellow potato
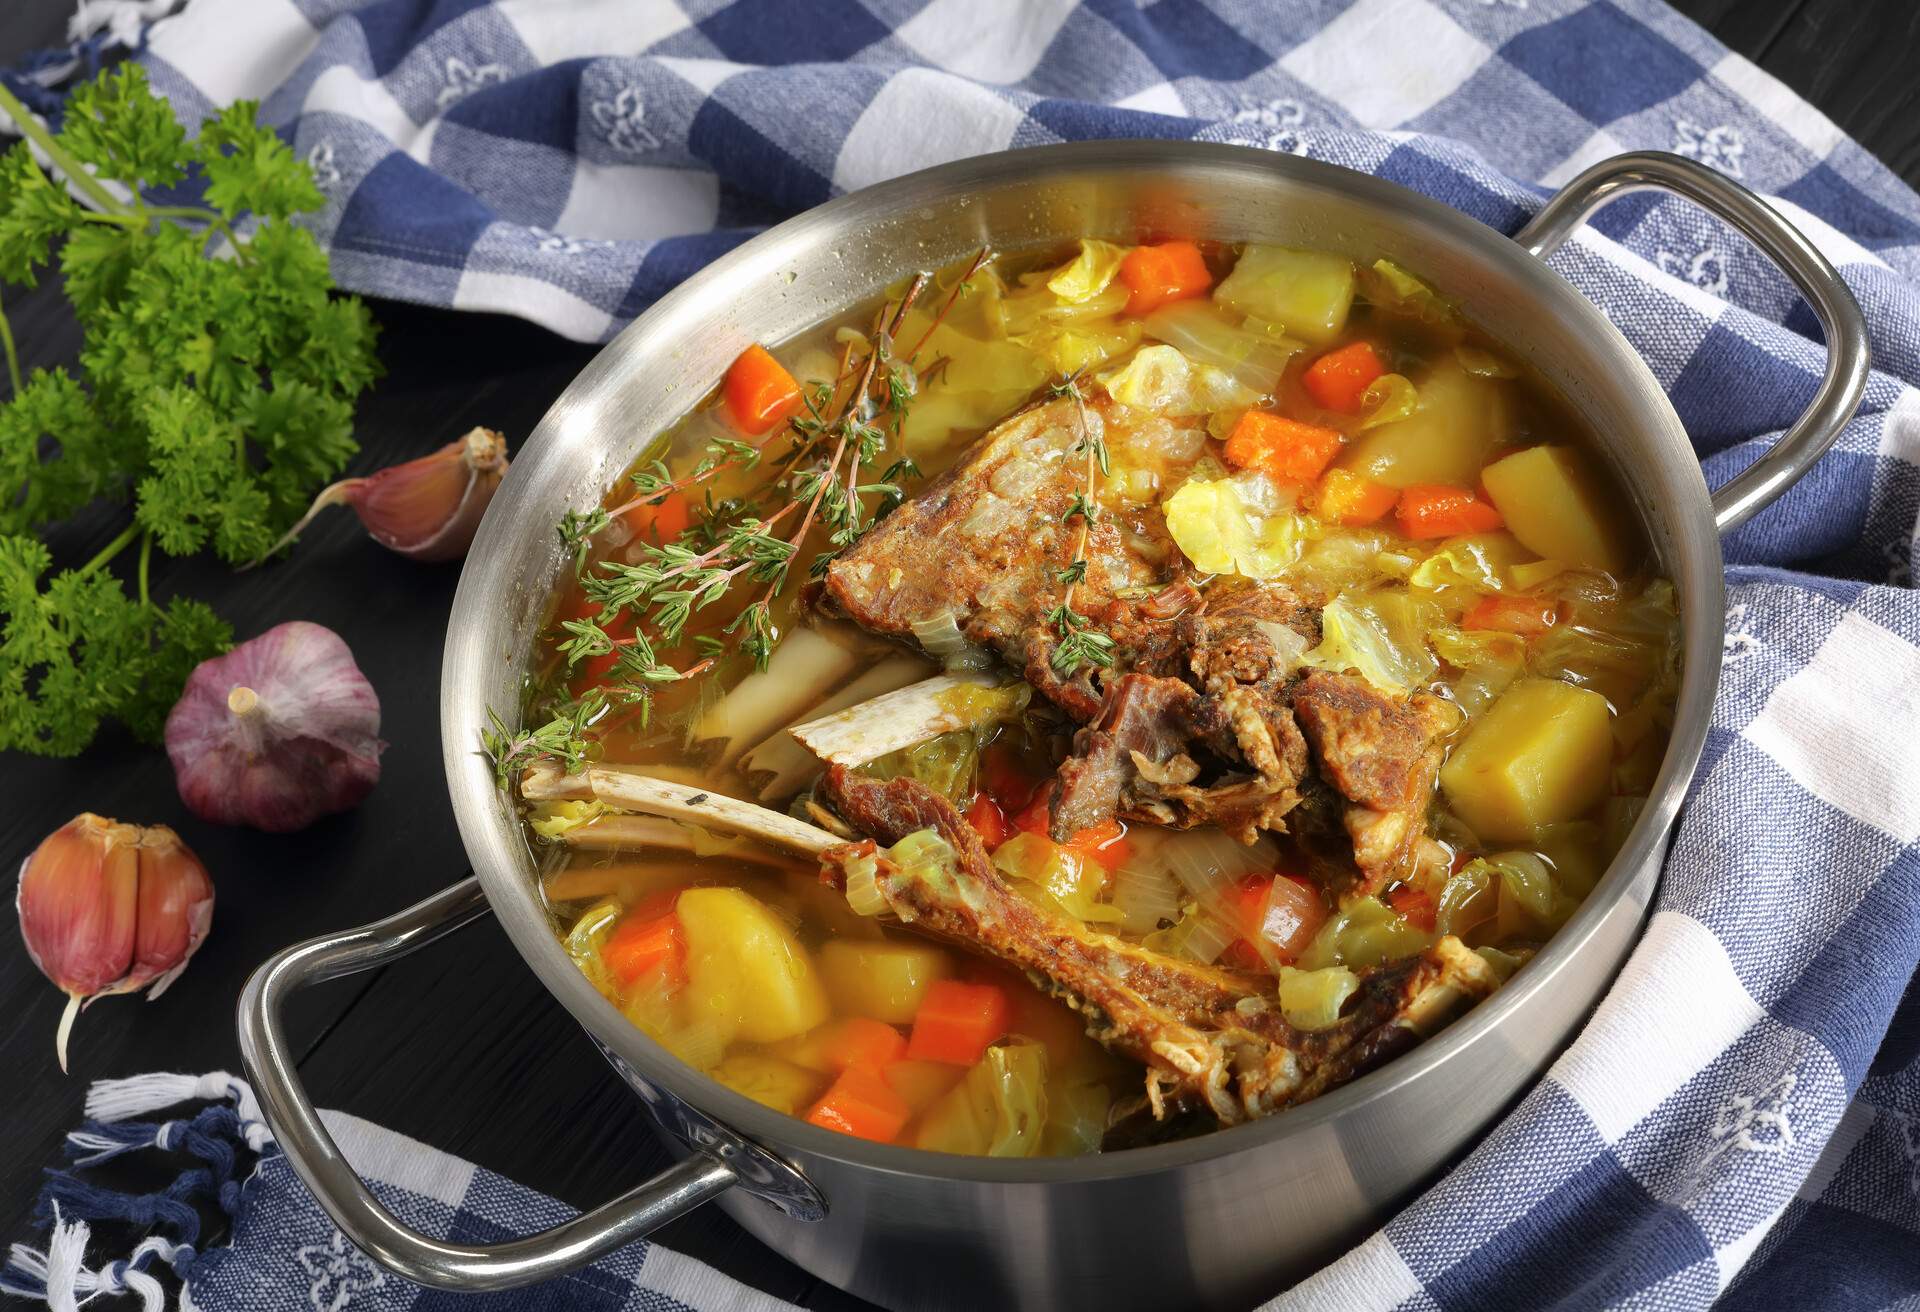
x,y
746,972
771,1081
1552,503
1540,754
883,980
1460,419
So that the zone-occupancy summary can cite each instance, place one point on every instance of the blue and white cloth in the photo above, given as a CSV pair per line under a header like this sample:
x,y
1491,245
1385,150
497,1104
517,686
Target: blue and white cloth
x,y
1741,1120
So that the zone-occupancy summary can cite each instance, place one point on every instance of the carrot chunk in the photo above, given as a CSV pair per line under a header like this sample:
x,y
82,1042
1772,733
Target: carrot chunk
x,y
859,1041
660,524
1154,275
1105,842
759,391
1339,379
957,1021
640,944
1527,616
1284,448
863,1104
1437,510
1415,905
988,821
1345,497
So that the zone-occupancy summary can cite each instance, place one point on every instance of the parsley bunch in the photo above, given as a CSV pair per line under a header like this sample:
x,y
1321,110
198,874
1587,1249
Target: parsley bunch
x,y
214,392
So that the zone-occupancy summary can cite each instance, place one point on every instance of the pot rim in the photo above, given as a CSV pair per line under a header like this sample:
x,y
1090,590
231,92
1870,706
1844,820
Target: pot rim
x,y
473,791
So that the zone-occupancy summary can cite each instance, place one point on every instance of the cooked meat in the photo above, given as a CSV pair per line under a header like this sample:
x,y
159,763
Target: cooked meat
x,y
1138,759
986,541
1381,755
1210,1039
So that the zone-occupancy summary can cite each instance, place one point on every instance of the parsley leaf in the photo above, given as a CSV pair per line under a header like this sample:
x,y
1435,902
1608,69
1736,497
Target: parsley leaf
x,y
214,391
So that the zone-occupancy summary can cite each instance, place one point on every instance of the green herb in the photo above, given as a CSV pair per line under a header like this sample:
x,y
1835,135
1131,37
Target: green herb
x,y
214,392
652,598
1079,642
564,737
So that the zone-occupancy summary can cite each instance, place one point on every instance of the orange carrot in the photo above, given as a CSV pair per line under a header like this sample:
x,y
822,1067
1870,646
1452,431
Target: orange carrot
x,y
1414,904
1345,497
760,392
859,1041
1105,842
662,523
957,1021
988,821
1527,616
863,1104
1339,379
1154,275
1284,448
640,944
1437,510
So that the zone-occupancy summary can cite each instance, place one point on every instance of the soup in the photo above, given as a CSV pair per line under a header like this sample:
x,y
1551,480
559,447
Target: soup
x,y
1091,697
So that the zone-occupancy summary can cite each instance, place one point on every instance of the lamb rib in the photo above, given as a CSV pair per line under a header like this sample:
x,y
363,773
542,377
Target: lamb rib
x,y
985,543
1210,1038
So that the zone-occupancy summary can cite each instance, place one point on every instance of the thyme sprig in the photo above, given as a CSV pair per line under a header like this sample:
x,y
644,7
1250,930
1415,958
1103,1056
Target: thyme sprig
x,y
1080,642
562,738
647,602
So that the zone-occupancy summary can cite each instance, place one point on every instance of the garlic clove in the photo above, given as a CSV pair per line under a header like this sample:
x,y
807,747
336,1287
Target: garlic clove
x,y
430,508
110,908
426,509
278,732
175,912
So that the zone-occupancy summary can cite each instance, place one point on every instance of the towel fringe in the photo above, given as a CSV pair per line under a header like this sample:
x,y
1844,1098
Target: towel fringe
x,y
135,1095
59,1276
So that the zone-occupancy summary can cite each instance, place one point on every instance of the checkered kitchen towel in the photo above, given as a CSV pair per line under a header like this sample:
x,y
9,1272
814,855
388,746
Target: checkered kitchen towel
x,y
1741,1120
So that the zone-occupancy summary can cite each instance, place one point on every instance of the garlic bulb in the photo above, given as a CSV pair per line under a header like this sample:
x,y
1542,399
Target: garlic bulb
x,y
111,908
427,509
278,732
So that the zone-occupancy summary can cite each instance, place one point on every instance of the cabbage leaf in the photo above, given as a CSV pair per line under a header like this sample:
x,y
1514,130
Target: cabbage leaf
x,y
1161,380
1221,531
1089,273
1379,634
998,1110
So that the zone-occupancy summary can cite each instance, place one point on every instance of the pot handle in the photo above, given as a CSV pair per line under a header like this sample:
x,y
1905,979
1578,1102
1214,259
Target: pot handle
x,y
467,1268
1757,486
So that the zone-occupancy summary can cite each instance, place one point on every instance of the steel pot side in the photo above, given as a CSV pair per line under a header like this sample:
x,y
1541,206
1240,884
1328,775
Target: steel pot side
x,y
1227,1217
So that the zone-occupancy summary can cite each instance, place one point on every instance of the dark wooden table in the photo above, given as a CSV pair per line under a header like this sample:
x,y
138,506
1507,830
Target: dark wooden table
x,y
459,1046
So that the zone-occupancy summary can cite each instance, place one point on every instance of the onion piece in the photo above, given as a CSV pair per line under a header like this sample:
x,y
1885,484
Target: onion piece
x,y
1145,895
1206,334
863,889
941,637
1210,865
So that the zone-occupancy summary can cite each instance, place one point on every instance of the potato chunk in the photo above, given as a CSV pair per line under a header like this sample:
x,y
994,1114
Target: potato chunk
x,y
1554,504
1459,420
883,980
1541,754
745,970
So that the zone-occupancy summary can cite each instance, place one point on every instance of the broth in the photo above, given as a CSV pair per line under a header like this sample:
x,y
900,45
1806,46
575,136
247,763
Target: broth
x,y
1235,429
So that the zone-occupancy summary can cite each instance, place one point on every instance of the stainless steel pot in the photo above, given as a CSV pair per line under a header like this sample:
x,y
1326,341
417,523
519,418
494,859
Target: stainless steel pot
x,y
1216,1221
